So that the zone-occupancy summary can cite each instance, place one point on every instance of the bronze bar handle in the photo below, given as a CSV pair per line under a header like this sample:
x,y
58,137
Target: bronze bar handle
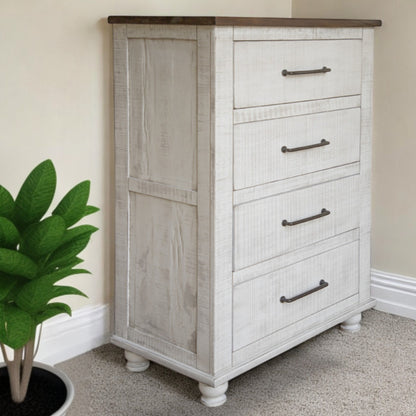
x,y
323,70
322,285
323,142
324,212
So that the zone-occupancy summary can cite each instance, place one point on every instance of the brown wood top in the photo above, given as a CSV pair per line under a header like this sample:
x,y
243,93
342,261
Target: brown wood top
x,y
242,21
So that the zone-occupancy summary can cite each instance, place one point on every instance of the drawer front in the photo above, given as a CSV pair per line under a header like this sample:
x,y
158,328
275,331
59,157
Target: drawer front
x,y
258,155
258,70
257,307
258,231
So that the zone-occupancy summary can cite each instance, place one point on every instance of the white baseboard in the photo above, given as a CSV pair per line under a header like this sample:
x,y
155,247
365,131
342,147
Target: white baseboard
x,y
395,294
65,337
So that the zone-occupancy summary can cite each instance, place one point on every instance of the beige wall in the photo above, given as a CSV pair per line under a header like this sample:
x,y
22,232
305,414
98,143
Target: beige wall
x,y
56,101
394,173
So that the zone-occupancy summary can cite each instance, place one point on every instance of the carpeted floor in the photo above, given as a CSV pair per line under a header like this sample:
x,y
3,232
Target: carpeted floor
x,y
372,372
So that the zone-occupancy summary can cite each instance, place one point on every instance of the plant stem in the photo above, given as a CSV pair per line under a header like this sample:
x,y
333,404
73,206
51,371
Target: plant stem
x,y
14,375
19,371
27,368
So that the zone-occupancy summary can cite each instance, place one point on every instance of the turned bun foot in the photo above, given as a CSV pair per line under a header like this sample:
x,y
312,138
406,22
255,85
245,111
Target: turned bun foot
x,y
136,363
213,396
353,324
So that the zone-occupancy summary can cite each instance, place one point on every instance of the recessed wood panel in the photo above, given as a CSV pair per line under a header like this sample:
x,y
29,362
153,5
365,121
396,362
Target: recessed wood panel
x,y
163,269
162,111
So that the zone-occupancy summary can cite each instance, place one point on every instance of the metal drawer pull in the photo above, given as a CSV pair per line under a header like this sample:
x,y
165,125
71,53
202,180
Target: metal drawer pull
x,y
309,71
323,213
323,142
322,285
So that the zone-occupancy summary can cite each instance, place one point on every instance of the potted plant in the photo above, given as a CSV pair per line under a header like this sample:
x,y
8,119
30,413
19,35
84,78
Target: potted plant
x,y
36,252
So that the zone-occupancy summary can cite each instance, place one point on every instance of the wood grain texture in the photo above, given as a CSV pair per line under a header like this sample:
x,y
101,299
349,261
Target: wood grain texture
x,y
162,346
243,21
257,309
258,71
161,190
258,231
258,156
247,115
163,359
204,338
258,352
298,182
292,335
279,262
163,269
162,111
295,33
154,31
222,197
366,158
121,174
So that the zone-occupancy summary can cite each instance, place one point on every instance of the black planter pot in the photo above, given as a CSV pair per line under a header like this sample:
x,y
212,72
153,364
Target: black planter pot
x,y
50,393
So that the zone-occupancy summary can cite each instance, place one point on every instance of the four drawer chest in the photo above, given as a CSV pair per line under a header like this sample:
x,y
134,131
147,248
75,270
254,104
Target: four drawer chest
x,y
243,163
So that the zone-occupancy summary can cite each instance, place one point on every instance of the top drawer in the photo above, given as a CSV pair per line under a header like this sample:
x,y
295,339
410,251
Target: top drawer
x,y
258,70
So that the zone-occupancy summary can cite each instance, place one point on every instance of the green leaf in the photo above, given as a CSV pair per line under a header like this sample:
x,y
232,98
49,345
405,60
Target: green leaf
x,y
89,209
67,251
51,310
6,203
73,205
17,264
17,327
35,195
75,232
35,295
7,283
68,264
9,235
72,262
44,237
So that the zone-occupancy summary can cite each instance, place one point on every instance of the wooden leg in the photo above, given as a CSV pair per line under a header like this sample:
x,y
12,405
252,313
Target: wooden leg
x,y
352,324
213,396
136,363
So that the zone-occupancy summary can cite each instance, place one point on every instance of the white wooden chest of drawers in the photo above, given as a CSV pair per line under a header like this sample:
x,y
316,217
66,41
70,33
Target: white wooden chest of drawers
x,y
243,160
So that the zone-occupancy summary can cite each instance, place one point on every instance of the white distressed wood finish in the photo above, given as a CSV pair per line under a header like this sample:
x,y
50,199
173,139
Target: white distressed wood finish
x,y
366,156
258,156
258,352
179,223
163,268
295,33
162,346
258,71
185,32
247,115
258,231
292,335
213,396
162,122
204,338
268,266
297,182
160,190
257,309
222,198
352,324
121,126
136,363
